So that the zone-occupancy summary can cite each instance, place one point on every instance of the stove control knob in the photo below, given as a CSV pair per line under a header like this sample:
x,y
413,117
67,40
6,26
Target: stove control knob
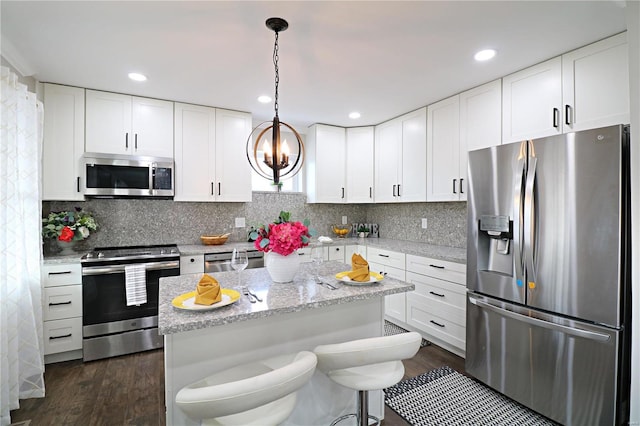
x,y
90,255
173,251
100,255
163,251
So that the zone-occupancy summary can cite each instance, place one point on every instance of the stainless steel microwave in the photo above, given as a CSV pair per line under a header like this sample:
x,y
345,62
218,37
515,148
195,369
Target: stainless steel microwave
x,y
113,175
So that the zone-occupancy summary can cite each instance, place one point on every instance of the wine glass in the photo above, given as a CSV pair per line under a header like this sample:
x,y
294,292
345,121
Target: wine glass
x,y
239,261
317,256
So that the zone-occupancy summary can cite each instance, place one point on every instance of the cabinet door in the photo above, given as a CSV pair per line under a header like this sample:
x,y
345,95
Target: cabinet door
x,y
595,85
359,163
152,127
531,102
351,249
388,154
63,143
413,172
337,253
480,124
233,172
108,123
443,150
330,162
195,141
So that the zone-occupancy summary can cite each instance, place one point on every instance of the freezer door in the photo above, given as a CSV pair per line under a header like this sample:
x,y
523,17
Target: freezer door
x,y
573,240
565,370
495,262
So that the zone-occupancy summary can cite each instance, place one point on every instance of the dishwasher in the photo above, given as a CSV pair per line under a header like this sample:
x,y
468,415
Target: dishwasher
x,y
220,262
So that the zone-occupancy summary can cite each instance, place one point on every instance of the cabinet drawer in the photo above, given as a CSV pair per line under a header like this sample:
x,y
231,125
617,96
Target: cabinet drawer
x,y
421,317
305,254
62,302
62,335
192,264
337,253
388,271
386,257
450,271
438,290
61,274
453,314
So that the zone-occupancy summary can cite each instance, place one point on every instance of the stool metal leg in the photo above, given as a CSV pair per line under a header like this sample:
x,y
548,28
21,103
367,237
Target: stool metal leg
x,y
362,415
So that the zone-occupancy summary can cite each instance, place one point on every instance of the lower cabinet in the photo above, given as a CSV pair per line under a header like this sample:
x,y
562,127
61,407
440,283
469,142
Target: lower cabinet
x,y
62,311
390,263
437,307
192,264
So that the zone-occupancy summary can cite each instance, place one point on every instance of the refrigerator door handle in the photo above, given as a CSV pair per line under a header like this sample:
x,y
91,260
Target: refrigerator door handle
x,y
591,335
517,216
529,219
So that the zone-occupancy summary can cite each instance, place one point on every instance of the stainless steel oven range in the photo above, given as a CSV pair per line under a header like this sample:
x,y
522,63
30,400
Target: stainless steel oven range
x,y
110,326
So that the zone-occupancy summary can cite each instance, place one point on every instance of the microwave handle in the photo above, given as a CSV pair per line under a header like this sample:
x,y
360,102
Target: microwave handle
x,y
152,178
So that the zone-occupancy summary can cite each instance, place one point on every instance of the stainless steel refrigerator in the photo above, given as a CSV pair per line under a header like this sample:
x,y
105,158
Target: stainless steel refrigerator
x,y
548,274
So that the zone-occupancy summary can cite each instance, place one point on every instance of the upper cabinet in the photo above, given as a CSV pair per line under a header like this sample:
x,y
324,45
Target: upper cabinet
x,y
123,124
63,143
210,154
401,158
359,157
326,164
456,125
585,88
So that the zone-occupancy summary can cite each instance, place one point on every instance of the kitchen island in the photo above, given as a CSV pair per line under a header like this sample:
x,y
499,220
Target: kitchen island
x,y
291,317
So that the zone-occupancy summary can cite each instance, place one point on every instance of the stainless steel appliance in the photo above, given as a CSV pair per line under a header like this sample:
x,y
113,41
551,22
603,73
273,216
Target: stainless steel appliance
x,y
110,327
548,274
218,262
112,175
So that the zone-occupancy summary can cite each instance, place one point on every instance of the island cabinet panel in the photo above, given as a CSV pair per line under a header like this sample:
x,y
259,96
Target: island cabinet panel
x,y
437,307
131,125
391,264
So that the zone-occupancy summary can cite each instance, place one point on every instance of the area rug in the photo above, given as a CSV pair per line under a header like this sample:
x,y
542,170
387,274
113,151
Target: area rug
x,y
390,329
444,397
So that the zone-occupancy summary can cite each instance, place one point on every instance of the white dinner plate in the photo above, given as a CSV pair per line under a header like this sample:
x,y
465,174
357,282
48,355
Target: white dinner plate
x,y
187,302
374,278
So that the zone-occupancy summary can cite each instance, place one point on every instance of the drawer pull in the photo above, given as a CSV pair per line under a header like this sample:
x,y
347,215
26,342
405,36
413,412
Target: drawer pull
x,y
438,324
383,255
60,303
436,294
60,337
437,267
192,260
60,273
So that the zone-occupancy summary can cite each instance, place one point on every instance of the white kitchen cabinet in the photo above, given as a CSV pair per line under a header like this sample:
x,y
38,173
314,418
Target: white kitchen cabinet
x,y
401,159
326,164
359,163
582,89
62,311
392,264
351,249
210,154
131,125
456,125
336,252
437,307
63,143
192,264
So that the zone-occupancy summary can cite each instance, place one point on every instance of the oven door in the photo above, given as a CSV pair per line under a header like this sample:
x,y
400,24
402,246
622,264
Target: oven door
x,y
104,295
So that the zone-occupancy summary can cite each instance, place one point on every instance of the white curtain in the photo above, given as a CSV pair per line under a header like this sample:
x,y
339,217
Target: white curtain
x,y
21,348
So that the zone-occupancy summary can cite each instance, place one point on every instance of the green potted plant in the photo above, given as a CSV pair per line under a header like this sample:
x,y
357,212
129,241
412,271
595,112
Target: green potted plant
x,y
363,231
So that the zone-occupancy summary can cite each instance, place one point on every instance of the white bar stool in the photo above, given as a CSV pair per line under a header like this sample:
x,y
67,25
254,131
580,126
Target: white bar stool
x,y
367,364
260,393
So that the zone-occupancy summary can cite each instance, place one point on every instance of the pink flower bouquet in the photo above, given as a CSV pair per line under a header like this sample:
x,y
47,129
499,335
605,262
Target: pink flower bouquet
x,y
283,236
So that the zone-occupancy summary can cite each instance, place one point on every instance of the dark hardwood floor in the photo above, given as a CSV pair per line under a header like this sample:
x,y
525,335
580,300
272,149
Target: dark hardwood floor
x,y
129,390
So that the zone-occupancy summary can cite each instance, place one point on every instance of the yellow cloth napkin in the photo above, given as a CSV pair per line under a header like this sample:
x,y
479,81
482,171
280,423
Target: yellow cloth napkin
x,y
360,268
208,291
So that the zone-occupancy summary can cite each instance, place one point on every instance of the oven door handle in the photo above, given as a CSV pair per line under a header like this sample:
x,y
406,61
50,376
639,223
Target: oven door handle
x,y
117,269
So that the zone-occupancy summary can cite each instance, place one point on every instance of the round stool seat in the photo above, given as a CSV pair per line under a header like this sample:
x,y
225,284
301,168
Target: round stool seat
x,y
259,393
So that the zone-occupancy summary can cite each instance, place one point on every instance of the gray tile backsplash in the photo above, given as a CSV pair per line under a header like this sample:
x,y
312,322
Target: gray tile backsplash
x,y
147,221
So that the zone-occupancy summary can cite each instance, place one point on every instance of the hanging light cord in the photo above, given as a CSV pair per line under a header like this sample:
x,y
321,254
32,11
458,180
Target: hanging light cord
x,y
275,63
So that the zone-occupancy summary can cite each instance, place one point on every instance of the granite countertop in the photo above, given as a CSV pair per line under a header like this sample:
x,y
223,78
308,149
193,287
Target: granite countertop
x,y
277,298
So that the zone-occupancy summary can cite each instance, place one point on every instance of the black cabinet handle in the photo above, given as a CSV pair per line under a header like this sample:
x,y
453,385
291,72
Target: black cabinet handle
x,y
438,324
454,186
211,188
126,140
192,260
60,273
394,190
398,190
567,115
556,112
461,191
436,294
59,337
370,192
135,138
342,192
78,183
383,255
218,188
436,266
60,303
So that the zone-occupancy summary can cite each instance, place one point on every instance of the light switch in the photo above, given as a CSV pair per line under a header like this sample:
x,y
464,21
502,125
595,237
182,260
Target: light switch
x,y
424,223
344,220
240,222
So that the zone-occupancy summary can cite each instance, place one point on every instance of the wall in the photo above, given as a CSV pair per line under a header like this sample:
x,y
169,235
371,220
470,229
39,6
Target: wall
x,y
125,222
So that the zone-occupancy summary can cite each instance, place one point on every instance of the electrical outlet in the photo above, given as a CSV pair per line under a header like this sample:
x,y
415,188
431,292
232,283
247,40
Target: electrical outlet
x,y
424,223
240,222
344,220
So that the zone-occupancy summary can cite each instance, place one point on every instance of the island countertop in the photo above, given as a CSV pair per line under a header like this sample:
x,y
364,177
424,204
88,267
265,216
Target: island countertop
x,y
277,298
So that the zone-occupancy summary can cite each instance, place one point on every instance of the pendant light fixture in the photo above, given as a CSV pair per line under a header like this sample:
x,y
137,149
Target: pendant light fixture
x,y
277,162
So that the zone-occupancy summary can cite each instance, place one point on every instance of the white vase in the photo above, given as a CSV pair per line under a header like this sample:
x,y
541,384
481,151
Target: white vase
x,y
282,269
66,247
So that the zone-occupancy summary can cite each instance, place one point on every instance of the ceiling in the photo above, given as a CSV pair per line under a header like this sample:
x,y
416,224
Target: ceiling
x,y
382,58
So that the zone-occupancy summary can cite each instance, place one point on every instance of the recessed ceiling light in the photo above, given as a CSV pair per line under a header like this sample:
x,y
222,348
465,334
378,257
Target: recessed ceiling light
x,y
354,115
137,76
264,99
484,55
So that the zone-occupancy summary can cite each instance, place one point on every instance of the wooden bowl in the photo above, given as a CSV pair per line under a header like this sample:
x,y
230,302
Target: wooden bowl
x,y
214,240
